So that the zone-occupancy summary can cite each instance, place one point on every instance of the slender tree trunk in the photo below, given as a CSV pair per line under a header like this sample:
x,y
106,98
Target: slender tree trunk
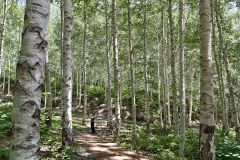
x,y
67,134
4,78
163,69
159,78
77,87
3,32
132,69
121,89
174,90
109,83
206,138
49,91
84,65
182,83
222,49
222,96
9,74
175,107
147,113
80,88
55,89
24,143
116,72
190,89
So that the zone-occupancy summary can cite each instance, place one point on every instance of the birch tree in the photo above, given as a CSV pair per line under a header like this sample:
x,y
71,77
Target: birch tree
x,y
132,69
206,139
67,133
116,72
84,64
182,83
109,83
147,114
24,143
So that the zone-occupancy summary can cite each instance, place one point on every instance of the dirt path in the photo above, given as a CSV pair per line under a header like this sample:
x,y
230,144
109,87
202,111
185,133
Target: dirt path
x,y
98,149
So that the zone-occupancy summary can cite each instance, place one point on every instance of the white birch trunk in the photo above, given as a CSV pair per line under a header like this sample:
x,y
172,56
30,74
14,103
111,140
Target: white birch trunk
x,y
116,72
84,65
182,83
147,113
24,143
206,139
3,33
109,83
67,133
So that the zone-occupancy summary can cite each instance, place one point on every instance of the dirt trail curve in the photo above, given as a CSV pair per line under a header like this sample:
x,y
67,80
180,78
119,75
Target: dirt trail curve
x,y
103,150
95,148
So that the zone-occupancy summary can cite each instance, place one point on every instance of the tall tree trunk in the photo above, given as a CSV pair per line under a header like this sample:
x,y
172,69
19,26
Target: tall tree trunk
x,y
24,143
174,90
84,65
4,78
132,69
222,95
3,32
222,49
9,74
109,83
116,72
159,78
206,137
67,134
164,72
80,88
147,113
121,89
49,91
182,83
175,107
77,87
190,89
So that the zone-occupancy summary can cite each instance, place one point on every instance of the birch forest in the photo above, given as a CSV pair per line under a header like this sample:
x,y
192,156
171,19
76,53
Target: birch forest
x,y
119,80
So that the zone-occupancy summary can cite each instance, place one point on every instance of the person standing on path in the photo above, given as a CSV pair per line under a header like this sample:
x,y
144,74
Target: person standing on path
x,y
92,123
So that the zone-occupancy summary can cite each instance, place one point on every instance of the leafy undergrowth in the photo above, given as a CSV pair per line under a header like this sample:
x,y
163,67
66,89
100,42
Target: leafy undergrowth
x,y
161,143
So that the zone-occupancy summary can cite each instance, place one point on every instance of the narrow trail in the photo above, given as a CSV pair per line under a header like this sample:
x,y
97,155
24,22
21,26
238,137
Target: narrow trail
x,y
103,150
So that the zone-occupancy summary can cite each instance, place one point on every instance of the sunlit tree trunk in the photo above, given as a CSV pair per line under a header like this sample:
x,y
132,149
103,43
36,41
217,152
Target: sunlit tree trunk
x,y
222,49
84,65
109,75
3,32
116,72
206,137
77,87
49,91
132,69
24,142
147,113
182,82
67,134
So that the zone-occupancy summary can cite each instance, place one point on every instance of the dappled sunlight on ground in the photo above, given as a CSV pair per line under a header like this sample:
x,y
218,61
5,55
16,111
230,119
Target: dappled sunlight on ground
x,y
104,150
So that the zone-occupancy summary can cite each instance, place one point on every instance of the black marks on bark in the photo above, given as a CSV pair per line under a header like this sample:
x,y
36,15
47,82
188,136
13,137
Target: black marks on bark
x,y
36,114
207,145
206,129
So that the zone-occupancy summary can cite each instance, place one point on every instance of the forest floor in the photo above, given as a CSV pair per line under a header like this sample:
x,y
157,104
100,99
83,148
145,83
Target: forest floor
x,y
94,147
